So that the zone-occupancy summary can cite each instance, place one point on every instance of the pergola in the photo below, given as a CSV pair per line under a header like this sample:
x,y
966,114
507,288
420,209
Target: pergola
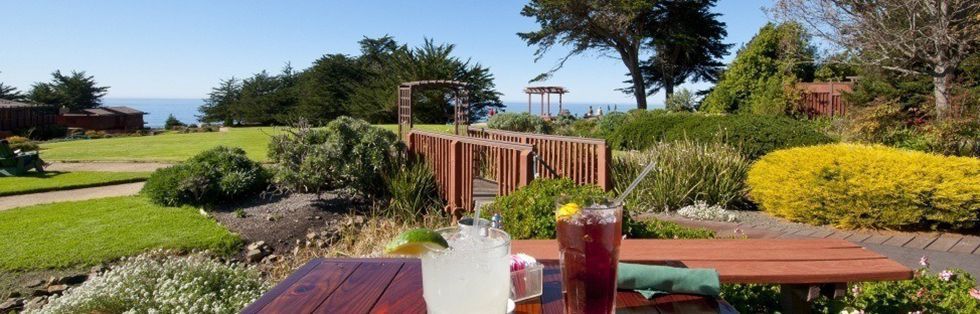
x,y
460,99
543,91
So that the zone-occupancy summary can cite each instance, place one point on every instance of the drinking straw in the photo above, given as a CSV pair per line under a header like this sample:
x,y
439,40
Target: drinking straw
x,y
622,197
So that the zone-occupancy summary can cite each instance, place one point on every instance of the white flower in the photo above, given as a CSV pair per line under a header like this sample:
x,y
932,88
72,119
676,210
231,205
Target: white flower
x,y
700,210
924,261
945,275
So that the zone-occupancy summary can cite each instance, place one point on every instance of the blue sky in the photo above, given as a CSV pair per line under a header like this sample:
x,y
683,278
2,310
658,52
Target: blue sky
x,y
180,49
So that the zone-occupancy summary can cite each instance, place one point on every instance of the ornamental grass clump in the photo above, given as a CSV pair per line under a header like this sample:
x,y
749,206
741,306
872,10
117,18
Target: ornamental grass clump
x,y
863,186
157,283
686,172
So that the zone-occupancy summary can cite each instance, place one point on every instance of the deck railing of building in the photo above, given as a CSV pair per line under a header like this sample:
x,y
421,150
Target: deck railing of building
x,y
583,160
823,99
455,161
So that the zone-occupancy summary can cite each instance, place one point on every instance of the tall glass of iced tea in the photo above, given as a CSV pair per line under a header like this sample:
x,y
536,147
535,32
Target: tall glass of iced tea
x,y
588,241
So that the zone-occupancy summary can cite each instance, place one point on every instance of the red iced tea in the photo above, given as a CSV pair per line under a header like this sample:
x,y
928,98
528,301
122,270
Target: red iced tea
x,y
589,245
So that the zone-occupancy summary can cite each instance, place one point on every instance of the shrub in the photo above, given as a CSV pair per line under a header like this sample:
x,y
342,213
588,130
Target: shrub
x,y
154,283
644,129
959,137
682,100
852,185
753,135
22,143
172,123
686,172
413,191
529,212
580,127
518,122
945,292
346,154
216,175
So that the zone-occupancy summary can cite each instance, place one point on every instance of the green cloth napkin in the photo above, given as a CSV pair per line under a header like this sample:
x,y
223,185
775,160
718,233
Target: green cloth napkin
x,y
650,280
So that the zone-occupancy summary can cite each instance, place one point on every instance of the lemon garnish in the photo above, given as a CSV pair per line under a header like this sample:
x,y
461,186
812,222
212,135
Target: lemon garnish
x,y
567,210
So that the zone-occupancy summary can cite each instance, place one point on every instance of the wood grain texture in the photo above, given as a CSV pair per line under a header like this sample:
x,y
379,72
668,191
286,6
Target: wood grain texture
x,y
274,293
404,292
361,290
306,294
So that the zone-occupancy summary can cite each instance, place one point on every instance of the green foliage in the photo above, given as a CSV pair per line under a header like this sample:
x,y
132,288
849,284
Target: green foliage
x,y
413,191
645,129
346,154
928,292
762,78
956,137
753,135
158,283
518,122
686,172
34,182
22,143
749,298
360,86
172,123
529,212
682,100
10,93
217,175
75,91
859,186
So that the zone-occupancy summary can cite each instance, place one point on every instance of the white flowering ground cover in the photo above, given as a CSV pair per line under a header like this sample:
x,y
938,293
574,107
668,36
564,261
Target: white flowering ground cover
x,y
157,283
700,210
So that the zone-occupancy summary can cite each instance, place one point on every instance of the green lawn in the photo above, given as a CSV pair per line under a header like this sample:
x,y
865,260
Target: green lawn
x,y
35,182
90,232
175,146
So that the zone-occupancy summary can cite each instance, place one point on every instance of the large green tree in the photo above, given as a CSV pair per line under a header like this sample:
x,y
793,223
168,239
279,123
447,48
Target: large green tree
x,y
763,76
325,89
74,91
686,45
9,92
621,26
221,102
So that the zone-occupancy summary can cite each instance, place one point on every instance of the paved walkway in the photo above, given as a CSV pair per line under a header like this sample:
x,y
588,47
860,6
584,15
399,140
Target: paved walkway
x,y
106,166
8,202
945,250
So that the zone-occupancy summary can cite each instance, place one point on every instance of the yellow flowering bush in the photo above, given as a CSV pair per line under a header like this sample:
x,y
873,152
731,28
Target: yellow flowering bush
x,y
863,186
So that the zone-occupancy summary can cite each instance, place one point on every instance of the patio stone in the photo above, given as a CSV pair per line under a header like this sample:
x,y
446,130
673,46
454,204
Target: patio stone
x,y
899,240
920,242
967,245
944,242
857,237
877,239
822,233
840,235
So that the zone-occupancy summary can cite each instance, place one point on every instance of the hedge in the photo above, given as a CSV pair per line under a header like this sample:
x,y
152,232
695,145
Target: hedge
x,y
860,186
753,135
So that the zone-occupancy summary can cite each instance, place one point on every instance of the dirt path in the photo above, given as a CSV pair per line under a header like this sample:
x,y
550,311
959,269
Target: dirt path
x,y
8,202
106,166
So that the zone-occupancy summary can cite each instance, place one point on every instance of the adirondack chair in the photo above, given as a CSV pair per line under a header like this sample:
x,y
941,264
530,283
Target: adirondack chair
x,y
16,164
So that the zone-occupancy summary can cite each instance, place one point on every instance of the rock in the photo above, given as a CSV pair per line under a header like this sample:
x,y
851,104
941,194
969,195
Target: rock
x,y
36,303
256,245
317,217
272,258
254,255
311,236
35,283
40,292
53,281
57,289
270,218
12,305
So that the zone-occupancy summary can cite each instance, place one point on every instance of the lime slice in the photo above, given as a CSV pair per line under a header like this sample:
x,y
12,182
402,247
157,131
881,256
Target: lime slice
x,y
416,242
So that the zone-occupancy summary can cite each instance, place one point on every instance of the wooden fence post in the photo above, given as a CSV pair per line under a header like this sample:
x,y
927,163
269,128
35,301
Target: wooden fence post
x,y
455,195
525,171
603,158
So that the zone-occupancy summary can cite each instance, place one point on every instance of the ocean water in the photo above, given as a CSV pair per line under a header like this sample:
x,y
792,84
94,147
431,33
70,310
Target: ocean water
x,y
185,110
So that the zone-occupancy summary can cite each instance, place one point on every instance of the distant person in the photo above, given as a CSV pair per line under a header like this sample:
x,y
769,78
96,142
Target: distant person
x,y
615,107
599,111
608,109
492,112
589,113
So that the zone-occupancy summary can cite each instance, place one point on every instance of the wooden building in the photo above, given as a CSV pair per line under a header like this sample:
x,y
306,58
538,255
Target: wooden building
x,y
103,119
823,99
20,116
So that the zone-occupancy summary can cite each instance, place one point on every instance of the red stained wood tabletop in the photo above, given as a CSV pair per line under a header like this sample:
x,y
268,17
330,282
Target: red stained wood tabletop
x,y
387,285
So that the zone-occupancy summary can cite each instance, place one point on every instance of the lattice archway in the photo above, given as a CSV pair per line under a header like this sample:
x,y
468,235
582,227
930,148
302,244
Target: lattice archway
x,y
461,102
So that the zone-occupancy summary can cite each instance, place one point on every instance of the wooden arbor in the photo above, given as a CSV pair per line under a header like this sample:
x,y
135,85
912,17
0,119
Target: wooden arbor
x,y
460,98
545,90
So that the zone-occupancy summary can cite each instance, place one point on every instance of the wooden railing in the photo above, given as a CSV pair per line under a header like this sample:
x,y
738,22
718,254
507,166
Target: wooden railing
x,y
454,161
583,160
823,99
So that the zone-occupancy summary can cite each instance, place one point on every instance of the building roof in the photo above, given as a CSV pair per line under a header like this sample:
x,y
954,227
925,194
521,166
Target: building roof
x,y
545,90
105,111
4,103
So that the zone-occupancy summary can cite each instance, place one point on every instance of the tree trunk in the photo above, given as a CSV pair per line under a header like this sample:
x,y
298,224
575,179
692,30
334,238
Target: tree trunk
x,y
639,88
942,82
668,86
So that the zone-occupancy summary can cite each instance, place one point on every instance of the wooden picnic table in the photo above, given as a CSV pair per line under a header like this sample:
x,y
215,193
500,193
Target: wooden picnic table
x,y
805,268
389,285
